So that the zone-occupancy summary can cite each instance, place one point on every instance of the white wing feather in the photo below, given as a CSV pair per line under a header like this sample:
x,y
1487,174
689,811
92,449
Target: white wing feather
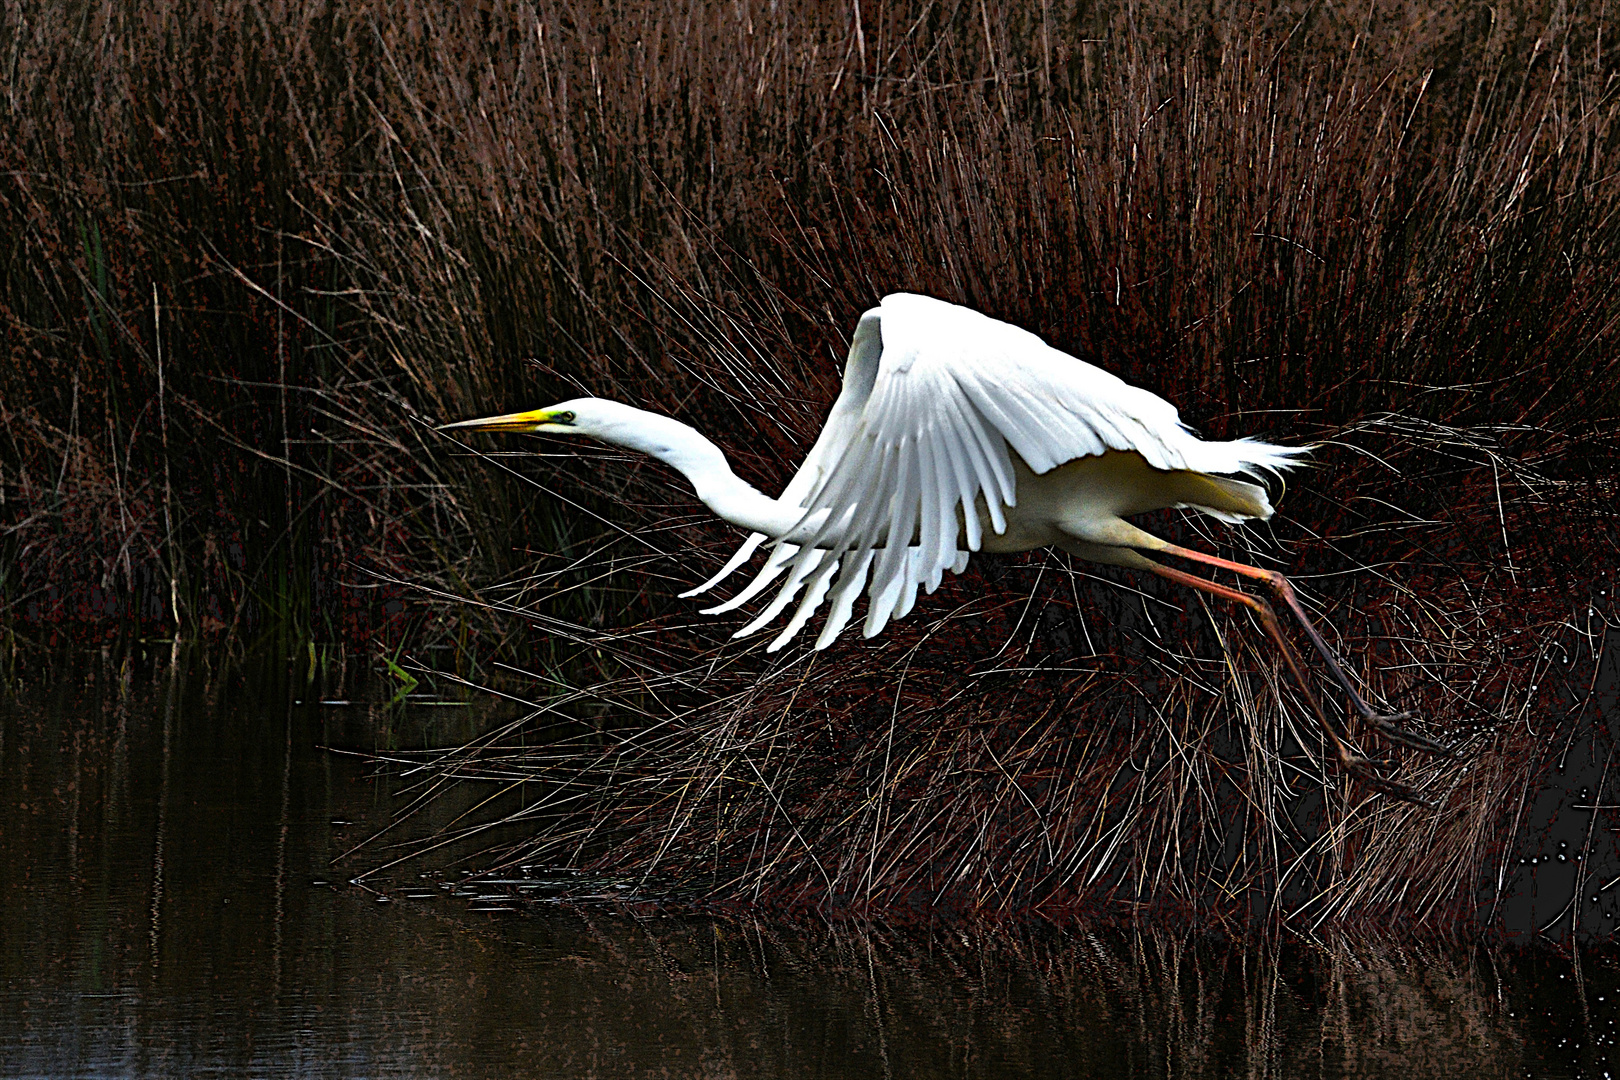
x,y
934,397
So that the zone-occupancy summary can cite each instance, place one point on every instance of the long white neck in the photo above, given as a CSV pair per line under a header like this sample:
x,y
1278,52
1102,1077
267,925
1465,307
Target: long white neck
x,y
705,466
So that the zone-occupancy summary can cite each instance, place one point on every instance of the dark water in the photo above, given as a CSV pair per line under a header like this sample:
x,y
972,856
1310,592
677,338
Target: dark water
x,y
168,907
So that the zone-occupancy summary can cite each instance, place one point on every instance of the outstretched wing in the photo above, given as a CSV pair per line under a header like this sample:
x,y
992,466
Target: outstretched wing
x,y
934,397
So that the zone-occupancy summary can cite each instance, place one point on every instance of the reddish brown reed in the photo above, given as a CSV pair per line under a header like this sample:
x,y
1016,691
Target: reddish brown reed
x,y
1279,239
1390,236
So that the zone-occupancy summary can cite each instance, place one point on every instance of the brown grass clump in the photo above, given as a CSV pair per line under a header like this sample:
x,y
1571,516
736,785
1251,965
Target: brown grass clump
x,y
1032,740
1391,235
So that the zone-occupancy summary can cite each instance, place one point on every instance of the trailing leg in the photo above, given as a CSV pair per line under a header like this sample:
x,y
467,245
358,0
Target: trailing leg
x,y
1356,765
1385,723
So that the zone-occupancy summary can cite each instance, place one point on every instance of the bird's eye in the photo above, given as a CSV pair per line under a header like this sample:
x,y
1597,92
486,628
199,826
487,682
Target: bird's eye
x,y
562,418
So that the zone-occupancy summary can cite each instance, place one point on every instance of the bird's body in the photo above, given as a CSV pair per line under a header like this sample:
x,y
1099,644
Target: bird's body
x,y
1086,502
954,433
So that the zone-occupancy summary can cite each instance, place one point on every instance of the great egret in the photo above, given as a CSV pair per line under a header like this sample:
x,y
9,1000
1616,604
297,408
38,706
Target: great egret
x,y
955,433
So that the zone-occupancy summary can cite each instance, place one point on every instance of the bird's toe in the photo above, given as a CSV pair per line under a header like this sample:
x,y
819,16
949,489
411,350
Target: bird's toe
x,y
1386,726
1362,770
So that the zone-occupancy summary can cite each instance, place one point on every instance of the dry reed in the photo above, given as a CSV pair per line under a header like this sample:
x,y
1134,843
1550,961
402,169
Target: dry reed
x,y
1390,237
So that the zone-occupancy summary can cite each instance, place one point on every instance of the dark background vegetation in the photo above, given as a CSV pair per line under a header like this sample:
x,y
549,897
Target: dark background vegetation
x,y
251,251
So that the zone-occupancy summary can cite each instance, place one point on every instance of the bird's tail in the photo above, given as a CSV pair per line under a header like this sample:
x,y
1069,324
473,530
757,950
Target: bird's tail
x,y
1250,457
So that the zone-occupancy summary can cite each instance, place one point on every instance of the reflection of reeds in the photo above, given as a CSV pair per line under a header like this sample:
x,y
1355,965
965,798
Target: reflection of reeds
x,y
1395,241
109,862
1110,1003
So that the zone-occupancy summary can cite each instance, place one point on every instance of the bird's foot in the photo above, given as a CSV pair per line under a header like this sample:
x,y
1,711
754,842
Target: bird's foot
x,y
1389,729
1362,769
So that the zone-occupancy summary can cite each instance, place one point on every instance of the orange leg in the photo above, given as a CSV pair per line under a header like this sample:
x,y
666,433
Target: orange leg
x,y
1385,723
1356,765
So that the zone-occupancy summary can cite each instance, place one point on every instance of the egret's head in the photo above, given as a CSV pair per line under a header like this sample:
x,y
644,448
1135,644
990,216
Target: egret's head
x,y
582,416
599,418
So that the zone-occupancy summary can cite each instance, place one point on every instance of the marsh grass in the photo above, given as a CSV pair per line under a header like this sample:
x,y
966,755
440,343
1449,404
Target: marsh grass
x,y
1390,236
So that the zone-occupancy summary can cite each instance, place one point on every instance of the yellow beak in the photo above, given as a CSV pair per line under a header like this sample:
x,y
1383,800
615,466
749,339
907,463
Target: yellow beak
x,y
518,421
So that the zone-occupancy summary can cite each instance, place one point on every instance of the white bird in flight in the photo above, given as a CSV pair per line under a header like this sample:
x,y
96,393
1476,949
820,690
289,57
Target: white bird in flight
x,y
956,433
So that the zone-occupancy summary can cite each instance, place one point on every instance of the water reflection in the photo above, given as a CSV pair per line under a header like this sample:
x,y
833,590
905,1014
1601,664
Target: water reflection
x,y
169,910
